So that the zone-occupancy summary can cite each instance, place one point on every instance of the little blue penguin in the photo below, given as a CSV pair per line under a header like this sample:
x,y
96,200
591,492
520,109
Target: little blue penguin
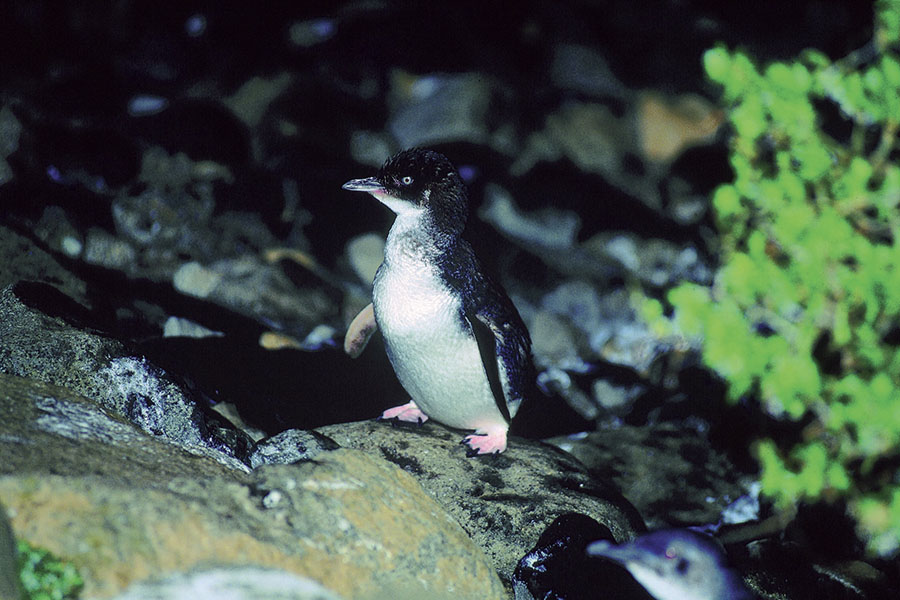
x,y
676,564
453,336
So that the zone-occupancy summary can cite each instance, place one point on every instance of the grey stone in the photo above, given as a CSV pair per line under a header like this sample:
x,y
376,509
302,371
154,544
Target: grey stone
x,y
250,286
169,233
6,172
549,228
179,327
606,323
290,446
577,301
10,130
22,259
370,147
596,140
240,583
312,32
439,108
123,506
670,473
101,368
583,69
590,135
194,279
503,501
105,250
365,253
655,262
553,339
550,234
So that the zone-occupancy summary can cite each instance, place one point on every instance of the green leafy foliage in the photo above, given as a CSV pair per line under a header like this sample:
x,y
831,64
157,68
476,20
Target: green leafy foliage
x,y
45,577
804,312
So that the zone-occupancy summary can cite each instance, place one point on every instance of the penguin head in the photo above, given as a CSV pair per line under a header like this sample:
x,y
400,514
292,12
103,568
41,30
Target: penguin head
x,y
676,564
416,182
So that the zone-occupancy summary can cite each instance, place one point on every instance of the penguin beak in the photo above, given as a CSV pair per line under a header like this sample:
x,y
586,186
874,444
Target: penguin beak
x,y
368,184
621,554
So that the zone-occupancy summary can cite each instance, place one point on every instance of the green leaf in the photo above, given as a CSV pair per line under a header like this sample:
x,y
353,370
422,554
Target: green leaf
x,y
749,118
840,330
740,278
890,67
727,201
874,82
814,459
810,247
836,477
716,63
814,161
692,305
888,19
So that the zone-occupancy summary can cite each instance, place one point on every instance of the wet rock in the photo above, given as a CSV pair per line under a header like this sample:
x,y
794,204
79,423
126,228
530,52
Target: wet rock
x,y
598,141
105,250
370,147
123,506
667,126
603,324
312,32
240,583
655,262
196,280
172,219
553,339
22,259
365,253
171,233
671,474
250,286
58,232
437,108
559,381
548,229
180,327
289,447
583,69
550,234
590,135
614,400
579,302
33,344
10,129
252,100
559,568
775,568
503,501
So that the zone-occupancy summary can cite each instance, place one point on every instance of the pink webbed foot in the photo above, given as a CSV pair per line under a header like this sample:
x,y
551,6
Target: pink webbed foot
x,y
409,412
486,442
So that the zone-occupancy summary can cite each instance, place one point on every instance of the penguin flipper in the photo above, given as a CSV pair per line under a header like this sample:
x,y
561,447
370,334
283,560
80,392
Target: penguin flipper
x,y
487,347
360,330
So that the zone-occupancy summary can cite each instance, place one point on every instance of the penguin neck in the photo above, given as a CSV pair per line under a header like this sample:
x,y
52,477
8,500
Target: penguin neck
x,y
415,236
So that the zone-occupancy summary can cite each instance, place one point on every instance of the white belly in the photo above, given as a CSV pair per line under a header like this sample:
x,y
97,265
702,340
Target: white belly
x,y
434,360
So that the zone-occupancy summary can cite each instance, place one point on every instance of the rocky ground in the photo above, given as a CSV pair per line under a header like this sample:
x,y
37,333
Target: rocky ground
x,y
178,264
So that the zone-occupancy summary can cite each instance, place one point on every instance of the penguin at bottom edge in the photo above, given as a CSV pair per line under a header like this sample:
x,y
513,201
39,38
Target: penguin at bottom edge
x,y
676,564
453,336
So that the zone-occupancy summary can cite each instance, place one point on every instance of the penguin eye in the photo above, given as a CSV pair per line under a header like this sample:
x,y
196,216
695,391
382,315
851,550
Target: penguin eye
x,y
406,180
